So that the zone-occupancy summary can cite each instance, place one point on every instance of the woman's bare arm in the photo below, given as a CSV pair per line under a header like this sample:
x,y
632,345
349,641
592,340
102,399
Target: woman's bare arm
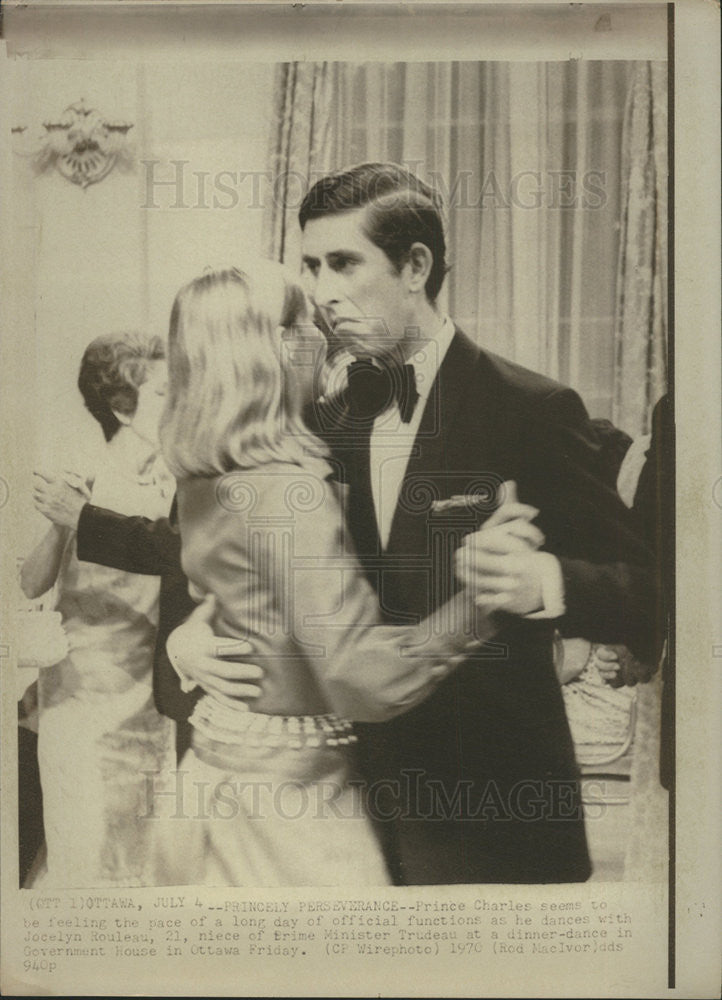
x,y
40,569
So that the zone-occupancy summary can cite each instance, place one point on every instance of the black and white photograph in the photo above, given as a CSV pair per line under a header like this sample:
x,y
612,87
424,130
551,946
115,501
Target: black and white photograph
x,y
344,399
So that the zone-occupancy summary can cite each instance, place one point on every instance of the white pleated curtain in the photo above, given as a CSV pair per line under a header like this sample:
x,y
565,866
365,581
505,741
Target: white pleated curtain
x,y
547,225
298,152
641,313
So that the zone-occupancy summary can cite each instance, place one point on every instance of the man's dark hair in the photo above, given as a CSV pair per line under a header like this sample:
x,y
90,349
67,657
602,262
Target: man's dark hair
x,y
401,210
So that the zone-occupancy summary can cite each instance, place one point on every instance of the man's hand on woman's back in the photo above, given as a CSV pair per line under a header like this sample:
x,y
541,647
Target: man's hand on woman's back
x,y
202,659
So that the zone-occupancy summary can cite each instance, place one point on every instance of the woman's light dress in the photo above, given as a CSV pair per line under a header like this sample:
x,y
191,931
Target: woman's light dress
x,y
101,740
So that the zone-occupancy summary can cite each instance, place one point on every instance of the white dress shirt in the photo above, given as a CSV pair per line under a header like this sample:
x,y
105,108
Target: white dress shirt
x,y
392,440
391,446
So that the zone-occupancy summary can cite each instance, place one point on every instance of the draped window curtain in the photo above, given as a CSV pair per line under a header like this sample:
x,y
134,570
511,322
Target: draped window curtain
x,y
299,148
641,313
554,176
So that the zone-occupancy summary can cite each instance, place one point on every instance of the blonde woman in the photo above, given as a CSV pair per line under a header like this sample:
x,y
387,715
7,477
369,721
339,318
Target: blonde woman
x,y
262,531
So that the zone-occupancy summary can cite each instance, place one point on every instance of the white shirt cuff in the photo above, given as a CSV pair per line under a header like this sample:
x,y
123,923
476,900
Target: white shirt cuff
x,y
552,583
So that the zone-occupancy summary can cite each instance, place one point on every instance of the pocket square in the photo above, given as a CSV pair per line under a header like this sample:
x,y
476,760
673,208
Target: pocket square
x,y
476,502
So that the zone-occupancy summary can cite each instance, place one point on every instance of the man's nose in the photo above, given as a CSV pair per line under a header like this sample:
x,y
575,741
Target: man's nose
x,y
326,290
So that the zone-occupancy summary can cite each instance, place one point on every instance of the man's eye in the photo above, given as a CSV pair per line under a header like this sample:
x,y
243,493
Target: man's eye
x,y
344,263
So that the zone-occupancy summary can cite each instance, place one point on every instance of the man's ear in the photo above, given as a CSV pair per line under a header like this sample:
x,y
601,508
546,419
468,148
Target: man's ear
x,y
122,418
418,266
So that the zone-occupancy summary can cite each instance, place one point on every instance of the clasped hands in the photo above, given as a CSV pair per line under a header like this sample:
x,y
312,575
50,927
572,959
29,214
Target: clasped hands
x,y
499,563
60,497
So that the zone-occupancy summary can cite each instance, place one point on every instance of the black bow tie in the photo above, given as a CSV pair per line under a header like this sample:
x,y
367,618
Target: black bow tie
x,y
373,387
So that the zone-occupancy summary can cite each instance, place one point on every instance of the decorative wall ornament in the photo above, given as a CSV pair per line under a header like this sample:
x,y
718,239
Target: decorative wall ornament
x,y
81,144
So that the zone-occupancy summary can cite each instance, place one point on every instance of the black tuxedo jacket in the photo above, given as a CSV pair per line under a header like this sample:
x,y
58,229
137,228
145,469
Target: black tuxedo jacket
x,y
138,545
478,784
654,507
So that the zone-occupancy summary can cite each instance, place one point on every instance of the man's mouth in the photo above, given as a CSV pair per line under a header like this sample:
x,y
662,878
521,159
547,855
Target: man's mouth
x,y
343,328
337,321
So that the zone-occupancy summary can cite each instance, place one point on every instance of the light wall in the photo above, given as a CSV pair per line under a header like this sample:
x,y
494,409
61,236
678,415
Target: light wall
x,y
112,256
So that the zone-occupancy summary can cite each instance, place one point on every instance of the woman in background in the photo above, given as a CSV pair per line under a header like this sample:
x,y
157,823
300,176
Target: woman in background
x,y
99,732
262,532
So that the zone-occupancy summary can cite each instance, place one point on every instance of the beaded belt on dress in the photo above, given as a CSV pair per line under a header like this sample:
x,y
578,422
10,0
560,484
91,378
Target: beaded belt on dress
x,y
226,725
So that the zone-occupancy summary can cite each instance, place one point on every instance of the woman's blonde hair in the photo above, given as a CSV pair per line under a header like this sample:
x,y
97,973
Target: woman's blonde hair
x,y
233,401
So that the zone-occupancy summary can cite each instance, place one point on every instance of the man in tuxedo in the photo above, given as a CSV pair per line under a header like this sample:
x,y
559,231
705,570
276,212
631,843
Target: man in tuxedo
x,y
481,777
654,509
479,783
